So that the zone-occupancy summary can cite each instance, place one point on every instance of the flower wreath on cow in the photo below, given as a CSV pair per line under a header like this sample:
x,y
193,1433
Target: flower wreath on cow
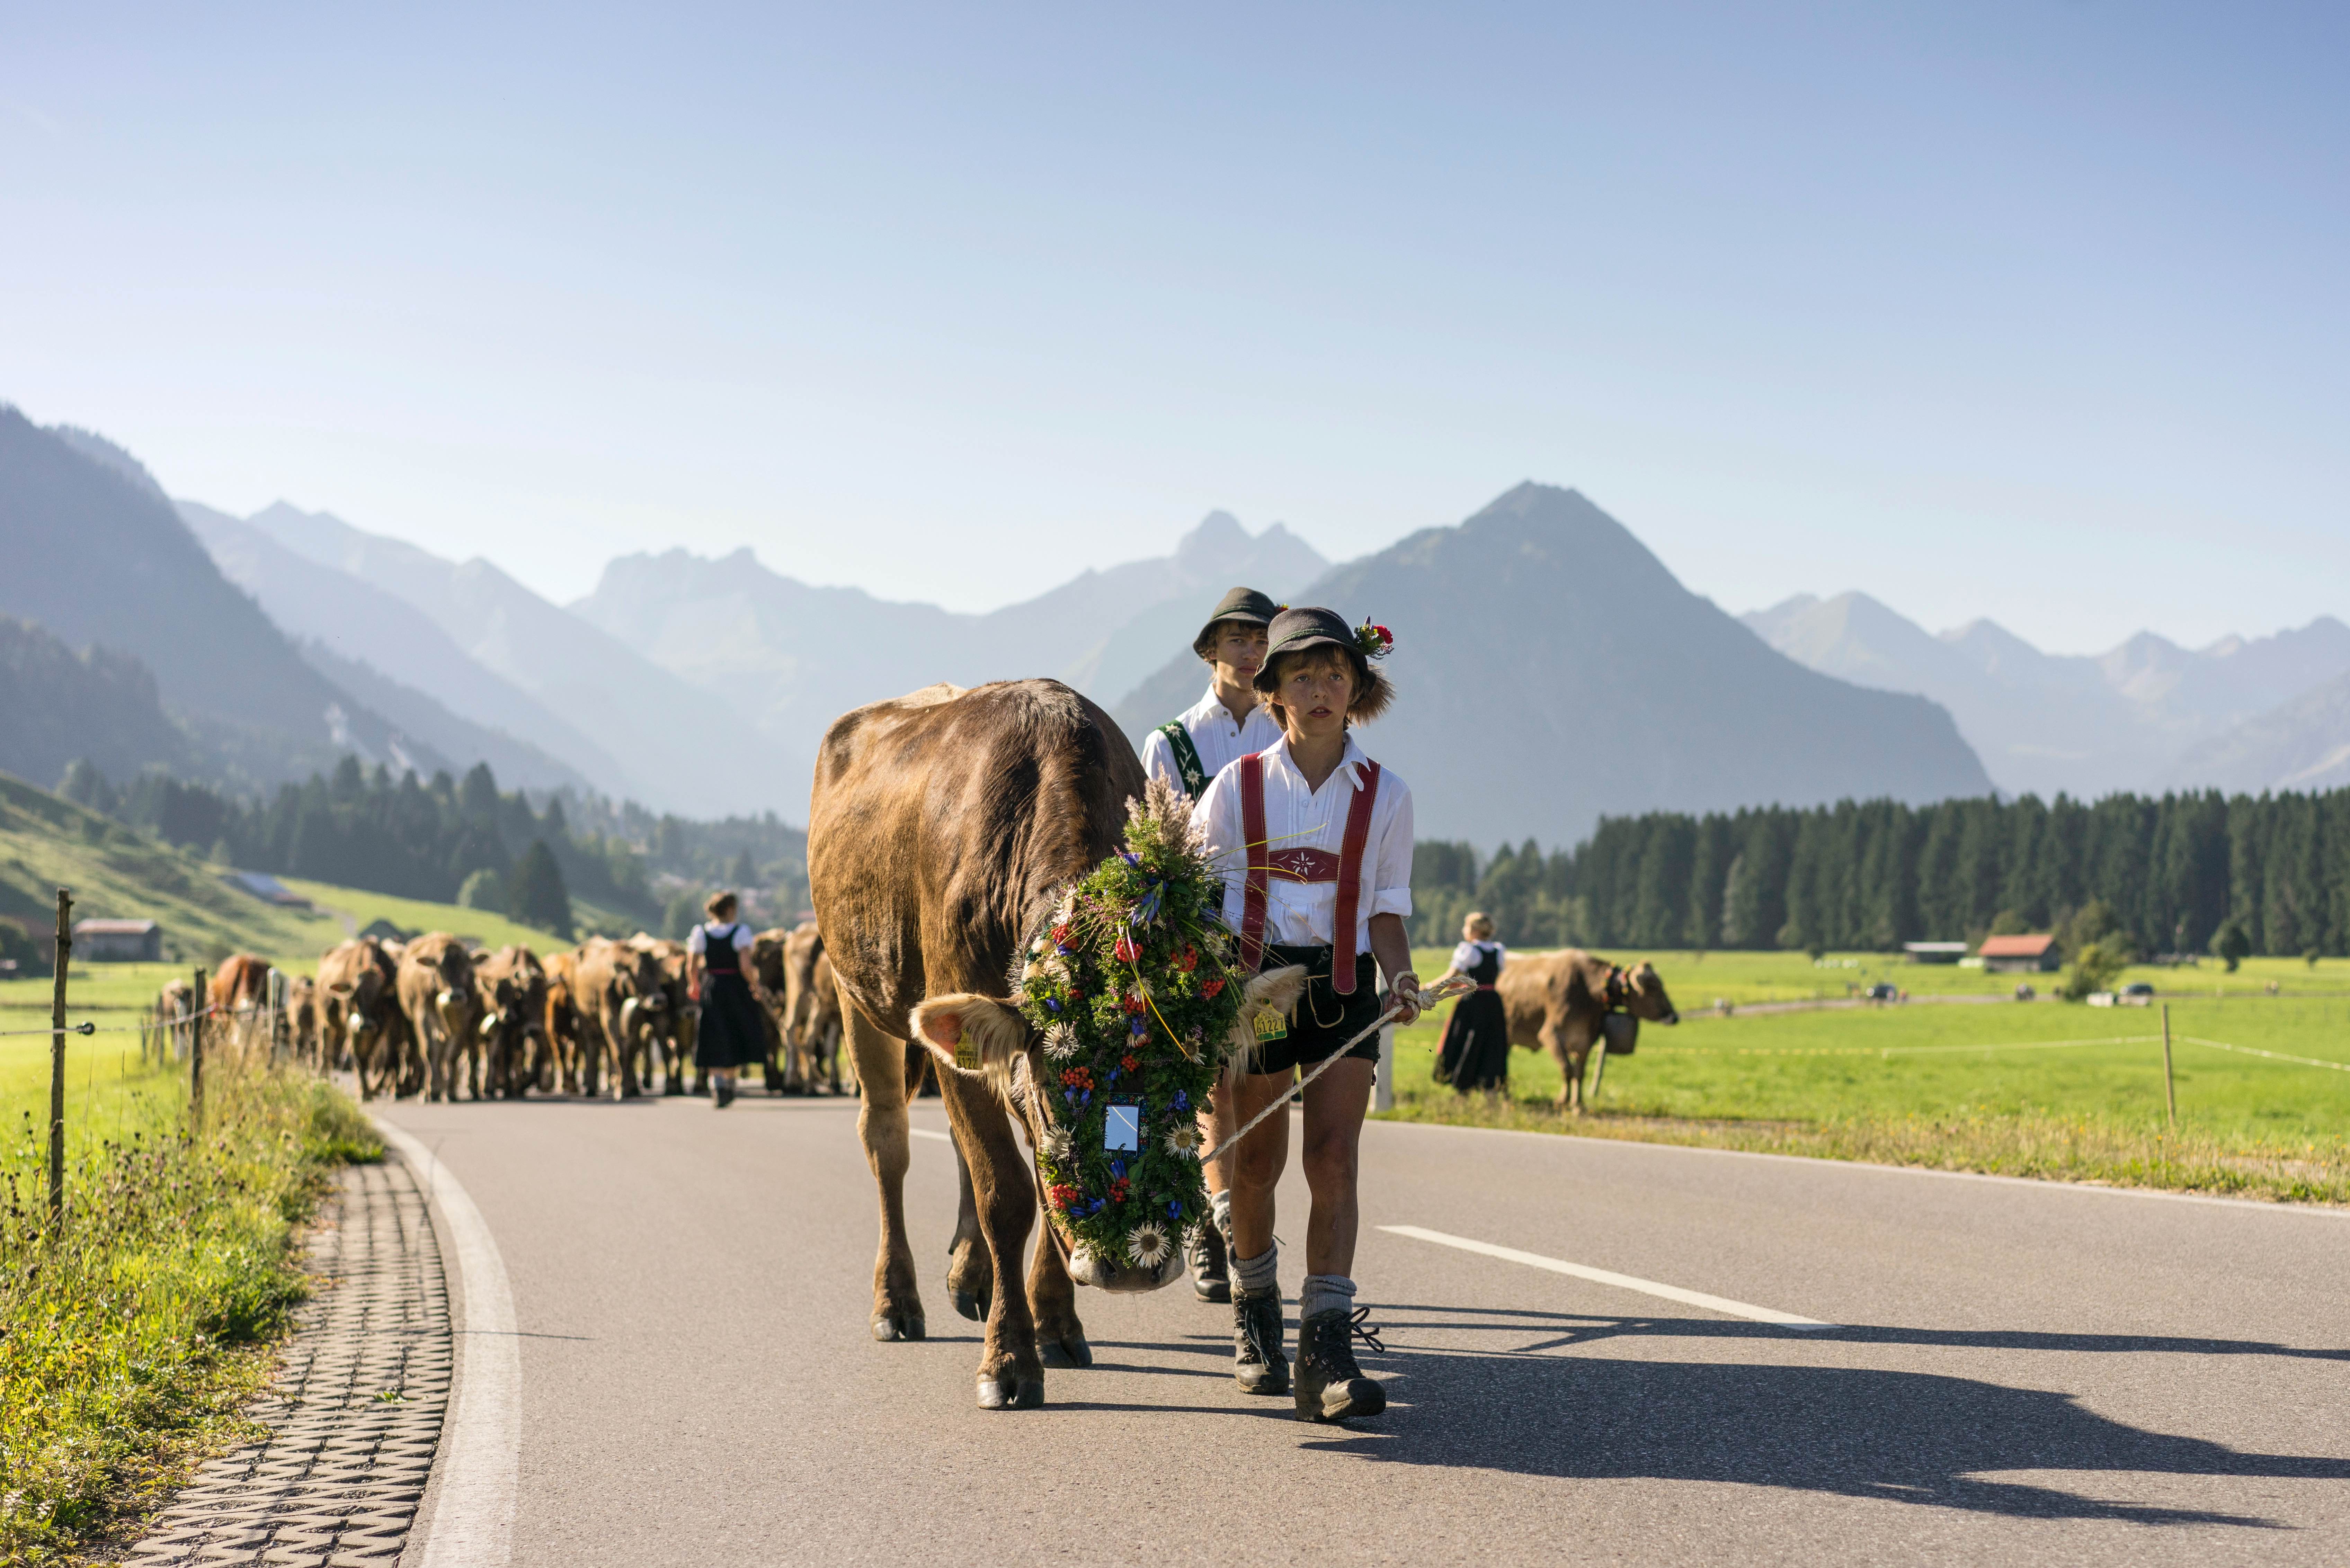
x,y
1135,987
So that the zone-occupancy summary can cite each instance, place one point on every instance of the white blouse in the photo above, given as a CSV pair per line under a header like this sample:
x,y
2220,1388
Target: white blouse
x,y
1467,956
738,934
1215,736
1303,914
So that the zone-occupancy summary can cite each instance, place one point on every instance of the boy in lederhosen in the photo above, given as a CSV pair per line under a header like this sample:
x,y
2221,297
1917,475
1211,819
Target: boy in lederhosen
x,y
1186,751
1316,840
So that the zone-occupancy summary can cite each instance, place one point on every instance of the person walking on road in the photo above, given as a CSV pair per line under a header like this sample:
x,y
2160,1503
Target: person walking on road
x,y
1316,842
1186,751
1475,1054
718,975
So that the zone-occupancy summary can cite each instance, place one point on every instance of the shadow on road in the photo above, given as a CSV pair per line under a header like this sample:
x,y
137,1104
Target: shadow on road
x,y
1905,1436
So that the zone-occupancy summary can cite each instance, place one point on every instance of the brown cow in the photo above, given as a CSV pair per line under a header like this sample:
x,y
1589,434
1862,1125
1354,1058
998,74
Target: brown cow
x,y
613,986
767,961
563,1037
669,1031
172,1025
794,967
1561,1001
443,1011
302,1022
240,1001
359,1011
943,826
512,986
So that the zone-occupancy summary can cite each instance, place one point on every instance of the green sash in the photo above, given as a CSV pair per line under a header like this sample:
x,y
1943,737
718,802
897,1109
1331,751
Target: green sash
x,y
1187,758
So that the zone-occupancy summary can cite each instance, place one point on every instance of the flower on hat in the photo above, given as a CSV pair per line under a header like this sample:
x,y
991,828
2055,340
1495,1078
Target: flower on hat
x,y
1375,641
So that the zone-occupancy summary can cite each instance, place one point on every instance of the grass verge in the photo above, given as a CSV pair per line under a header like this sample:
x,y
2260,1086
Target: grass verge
x,y
133,1329
2059,1093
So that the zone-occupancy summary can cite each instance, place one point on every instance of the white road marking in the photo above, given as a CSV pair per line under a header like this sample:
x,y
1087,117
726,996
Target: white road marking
x,y
925,1132
480,1441
1609,1277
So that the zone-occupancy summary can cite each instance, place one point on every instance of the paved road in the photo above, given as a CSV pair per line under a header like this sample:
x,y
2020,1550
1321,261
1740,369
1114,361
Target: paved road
x,y
2027,1372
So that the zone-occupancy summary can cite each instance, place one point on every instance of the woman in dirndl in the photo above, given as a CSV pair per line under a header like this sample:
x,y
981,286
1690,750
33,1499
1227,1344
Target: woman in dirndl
x,y
731,1035
1475,1055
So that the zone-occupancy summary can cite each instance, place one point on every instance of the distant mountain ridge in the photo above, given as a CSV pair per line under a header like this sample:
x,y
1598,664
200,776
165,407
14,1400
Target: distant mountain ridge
x,y
2085,726
791,657
1551,671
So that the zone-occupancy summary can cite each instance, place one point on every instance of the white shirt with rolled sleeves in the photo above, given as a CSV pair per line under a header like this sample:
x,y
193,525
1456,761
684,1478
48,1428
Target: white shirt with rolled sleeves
x,y
1214,736
1304,914
739,936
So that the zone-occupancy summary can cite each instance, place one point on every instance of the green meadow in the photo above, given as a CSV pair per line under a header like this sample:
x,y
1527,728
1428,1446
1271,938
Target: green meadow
x,y
2044,1088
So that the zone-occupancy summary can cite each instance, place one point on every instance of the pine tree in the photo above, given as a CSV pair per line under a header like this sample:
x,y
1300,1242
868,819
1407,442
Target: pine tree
x,y
536,895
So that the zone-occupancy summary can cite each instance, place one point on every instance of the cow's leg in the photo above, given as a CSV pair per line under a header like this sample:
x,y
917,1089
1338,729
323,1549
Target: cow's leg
x,y
1570,1071
1011,1375
882,1126
1053,1301
970,1270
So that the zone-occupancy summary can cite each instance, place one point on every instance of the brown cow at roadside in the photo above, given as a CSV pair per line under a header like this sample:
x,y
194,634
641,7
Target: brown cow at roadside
x,y
615,985
942,829
565,1044
359,1011
767,961
1561,1001
512,986
240,1001
443,1009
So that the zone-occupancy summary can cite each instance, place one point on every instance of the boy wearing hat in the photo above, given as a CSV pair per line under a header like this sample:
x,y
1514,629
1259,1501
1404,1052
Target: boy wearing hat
x,y
1186,751
1314,839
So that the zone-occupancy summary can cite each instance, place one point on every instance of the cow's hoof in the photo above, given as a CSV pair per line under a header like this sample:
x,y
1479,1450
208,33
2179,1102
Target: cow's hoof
x,y
890,1327
972,1305
1069,1350
1010,1394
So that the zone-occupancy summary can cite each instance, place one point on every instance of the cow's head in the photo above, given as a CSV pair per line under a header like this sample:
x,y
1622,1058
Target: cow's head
x,y
987,1037
637,970
1644,995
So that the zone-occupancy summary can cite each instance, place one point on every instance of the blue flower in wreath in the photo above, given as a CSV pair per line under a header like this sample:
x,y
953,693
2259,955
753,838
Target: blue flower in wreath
x,y
1096,1206
1129,857
1174,1210
1136,1027
1117,1167
1182,1101
1147,909
1053,1002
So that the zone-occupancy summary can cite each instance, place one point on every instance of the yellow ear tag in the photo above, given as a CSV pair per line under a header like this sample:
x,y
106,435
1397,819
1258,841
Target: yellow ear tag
x,y
966,1054
1272,1026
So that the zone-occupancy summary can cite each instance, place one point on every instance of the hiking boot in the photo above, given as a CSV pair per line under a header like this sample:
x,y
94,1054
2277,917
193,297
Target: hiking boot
x,y
1258,1364
722,1091
1204,1248
1330,1386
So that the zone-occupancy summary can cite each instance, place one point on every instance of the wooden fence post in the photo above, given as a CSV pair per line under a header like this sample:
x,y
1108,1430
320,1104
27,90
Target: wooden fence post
x,y
58,1056
2169,1091
196,1056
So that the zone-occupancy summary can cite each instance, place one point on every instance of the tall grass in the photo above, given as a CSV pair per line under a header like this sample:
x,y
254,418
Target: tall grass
x,y
133,1328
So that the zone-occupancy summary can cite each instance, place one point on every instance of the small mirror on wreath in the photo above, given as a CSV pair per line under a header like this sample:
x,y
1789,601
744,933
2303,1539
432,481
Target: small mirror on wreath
x,y
1122,1127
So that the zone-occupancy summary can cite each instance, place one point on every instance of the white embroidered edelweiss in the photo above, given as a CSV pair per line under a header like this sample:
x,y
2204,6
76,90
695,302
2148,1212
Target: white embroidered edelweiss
x,y
1148,1244
1183,1140
1061,1042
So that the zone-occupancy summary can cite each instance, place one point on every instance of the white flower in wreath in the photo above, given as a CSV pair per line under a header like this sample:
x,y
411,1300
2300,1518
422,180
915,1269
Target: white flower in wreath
x,y
1057,1146
1183,1140
1149,1244
1061,1042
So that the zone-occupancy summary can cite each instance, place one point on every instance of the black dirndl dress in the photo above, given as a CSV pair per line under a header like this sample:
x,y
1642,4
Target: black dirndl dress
x,y
731,1033
1475,1054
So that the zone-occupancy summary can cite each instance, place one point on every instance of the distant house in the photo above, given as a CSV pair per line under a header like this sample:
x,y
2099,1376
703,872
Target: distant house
x,y
1935,953
118,942
2020,955
262,885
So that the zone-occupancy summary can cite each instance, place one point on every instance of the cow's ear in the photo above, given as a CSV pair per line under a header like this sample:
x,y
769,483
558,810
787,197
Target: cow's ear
x,y
1278,989
970,1033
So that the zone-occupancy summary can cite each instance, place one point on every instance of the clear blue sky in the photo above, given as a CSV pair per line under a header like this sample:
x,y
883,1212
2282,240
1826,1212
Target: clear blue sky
x,y
2035,311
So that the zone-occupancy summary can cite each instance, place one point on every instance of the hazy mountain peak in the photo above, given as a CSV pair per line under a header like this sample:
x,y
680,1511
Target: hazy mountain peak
x,y
1217,535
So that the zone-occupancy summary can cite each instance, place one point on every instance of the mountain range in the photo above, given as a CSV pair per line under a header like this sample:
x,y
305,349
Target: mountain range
x,y
1551,670
2146,715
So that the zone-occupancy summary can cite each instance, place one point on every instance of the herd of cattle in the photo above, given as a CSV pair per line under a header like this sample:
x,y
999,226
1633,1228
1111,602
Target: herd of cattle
x,y
430,1014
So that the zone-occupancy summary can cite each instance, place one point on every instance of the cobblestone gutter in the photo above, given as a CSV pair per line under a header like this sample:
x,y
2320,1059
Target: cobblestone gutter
x,y
355,1415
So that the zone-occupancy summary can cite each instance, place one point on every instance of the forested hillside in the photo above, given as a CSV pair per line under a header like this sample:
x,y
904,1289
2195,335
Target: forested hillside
x,y
2172,870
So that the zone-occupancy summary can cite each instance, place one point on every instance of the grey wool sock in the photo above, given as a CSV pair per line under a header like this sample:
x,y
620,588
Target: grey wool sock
x,y
1323,1291
1258,1275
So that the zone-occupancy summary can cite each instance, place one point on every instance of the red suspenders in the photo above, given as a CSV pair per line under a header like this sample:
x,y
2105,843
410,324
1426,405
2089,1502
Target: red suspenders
x,y
1260,871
